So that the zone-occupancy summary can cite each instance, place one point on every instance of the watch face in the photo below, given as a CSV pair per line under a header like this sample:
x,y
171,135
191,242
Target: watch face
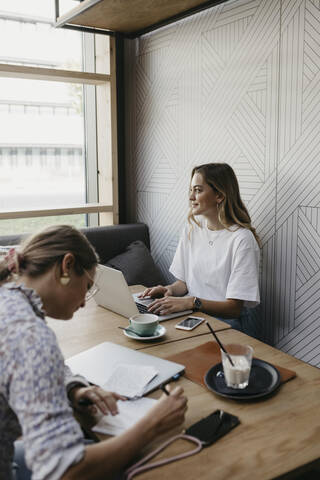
x,y
197,304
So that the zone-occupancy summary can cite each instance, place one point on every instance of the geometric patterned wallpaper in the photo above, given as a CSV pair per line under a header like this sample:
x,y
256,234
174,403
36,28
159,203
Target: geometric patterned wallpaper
x,y
239,83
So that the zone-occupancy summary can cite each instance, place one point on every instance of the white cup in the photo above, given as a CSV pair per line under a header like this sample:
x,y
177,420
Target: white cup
x,y
144,323
237,376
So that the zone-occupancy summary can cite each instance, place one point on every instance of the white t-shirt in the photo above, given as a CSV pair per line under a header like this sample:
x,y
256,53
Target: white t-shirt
x,y
217,265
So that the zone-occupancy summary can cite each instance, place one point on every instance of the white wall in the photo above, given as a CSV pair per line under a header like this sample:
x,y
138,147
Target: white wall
x,y
239,83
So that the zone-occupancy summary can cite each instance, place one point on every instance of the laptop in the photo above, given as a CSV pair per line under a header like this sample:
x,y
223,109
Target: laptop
x,y
98,363
114,294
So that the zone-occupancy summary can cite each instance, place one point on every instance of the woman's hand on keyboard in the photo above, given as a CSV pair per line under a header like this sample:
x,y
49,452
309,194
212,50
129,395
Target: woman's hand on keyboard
x,y
167,305
156,292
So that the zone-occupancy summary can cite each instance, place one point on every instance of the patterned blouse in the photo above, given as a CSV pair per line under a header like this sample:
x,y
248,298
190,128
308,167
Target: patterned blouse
x,y
33,389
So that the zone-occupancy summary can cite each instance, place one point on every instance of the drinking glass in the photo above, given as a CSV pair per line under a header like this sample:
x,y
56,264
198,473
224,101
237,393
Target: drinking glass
x,y
237,375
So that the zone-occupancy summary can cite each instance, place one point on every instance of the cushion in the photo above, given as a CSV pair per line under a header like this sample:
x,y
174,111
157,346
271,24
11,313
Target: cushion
x,y
137,265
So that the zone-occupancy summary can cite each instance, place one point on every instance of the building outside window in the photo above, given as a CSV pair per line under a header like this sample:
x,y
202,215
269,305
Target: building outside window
x,y
48,140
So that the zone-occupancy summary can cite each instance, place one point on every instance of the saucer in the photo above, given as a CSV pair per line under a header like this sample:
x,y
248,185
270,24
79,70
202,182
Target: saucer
x,y
264,379
160,331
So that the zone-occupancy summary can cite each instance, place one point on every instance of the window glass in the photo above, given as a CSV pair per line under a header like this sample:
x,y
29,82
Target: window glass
x,y
27,36
48,135
30,225
37,8
41,144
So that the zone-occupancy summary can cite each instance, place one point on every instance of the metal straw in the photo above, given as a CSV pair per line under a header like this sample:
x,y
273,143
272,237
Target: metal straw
x,y
221,346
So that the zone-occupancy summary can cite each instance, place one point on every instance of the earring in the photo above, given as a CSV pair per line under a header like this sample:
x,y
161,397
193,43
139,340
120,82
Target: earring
x,y
65,279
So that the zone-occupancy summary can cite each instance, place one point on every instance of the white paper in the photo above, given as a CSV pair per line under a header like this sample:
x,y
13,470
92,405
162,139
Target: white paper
x,y
130,412
130,380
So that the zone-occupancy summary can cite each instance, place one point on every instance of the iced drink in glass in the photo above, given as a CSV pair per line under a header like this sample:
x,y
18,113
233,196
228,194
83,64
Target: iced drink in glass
x,y
237,375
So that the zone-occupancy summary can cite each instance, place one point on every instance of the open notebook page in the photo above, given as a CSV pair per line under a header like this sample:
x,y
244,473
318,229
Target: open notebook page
x,y
130,412
130,380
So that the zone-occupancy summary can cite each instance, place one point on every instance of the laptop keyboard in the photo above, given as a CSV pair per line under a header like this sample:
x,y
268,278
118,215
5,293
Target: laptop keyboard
x,y
142,308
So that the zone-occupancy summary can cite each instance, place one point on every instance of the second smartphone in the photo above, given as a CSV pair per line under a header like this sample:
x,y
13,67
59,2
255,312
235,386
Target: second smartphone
x,y
189,323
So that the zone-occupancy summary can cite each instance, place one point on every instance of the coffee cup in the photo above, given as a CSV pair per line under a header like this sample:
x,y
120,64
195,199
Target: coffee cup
x,y
144,323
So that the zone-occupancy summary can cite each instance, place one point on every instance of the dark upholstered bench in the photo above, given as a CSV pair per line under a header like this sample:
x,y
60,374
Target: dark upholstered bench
x,y
125,247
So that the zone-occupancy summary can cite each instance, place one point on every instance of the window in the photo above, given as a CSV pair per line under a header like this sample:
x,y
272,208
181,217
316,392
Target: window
x,y
54,160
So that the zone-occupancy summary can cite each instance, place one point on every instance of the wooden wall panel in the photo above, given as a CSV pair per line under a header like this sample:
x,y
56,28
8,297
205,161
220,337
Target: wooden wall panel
x,y
238,83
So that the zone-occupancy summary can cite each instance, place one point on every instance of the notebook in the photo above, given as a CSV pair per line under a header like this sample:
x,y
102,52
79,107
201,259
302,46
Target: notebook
x,y
99,363
114,294
130,412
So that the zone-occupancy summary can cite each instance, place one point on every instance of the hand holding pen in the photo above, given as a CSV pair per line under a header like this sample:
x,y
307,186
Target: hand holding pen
x,y
170,409
163,388
163,385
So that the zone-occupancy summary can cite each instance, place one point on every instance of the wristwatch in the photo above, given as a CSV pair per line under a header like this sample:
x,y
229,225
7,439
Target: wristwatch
x,y
197,304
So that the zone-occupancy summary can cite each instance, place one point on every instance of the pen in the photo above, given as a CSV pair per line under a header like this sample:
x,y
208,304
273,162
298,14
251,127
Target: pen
x,y
163,388
84,402
174,378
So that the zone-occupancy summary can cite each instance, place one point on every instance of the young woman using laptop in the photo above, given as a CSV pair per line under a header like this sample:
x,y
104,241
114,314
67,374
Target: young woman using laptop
x,y
217,260
52,274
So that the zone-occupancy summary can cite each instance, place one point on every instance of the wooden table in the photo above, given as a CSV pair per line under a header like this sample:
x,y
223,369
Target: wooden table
x,y
277,436
92,325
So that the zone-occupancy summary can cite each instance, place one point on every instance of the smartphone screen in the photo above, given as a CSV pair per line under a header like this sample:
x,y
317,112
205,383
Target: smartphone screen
x,y
189,323
209,429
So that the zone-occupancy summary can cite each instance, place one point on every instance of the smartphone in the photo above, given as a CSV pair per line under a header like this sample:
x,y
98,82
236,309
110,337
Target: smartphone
x,y
189,323
210,428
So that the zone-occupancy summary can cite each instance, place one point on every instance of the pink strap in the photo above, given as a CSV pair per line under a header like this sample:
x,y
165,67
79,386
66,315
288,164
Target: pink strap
x,y
139,467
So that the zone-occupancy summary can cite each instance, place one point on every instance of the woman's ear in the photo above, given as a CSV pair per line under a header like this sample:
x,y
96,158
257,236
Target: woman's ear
x,y
66,268
220,198
67,263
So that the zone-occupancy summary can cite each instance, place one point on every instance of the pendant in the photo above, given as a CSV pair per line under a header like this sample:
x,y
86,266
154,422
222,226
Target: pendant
x,y
210,243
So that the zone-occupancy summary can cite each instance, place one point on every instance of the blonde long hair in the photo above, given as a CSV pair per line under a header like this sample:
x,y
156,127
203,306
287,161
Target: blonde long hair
x,y
222,179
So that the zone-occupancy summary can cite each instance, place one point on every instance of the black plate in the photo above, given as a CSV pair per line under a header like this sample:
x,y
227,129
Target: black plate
x,y
264,379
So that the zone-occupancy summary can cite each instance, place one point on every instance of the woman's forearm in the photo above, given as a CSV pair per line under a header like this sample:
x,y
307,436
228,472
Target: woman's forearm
x,y
103,459
230,308
178,288
173,302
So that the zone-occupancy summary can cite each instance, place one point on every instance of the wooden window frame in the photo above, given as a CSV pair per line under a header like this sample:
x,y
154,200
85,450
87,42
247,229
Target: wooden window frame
x,y
105,210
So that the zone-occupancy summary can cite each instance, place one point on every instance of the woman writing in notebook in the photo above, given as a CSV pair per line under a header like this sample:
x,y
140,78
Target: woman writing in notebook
x,y
52,274
217,260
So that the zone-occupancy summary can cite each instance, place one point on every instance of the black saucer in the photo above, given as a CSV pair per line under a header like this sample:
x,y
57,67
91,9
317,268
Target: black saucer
x,y
264,379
